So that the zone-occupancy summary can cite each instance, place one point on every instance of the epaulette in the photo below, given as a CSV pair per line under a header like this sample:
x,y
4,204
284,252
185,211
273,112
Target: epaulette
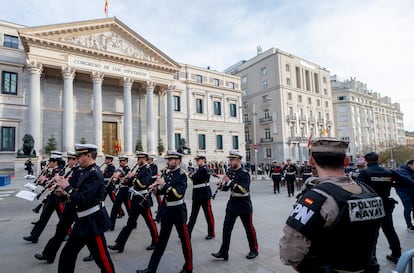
x,y
182,171
246,171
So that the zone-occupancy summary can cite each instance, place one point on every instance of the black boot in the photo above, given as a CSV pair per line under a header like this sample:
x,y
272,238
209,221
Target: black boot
x,y
88,258
116,246
31,238
37,208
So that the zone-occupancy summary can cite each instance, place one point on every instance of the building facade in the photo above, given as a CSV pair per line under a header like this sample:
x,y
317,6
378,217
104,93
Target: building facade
x,y
99,81
367,120
286,100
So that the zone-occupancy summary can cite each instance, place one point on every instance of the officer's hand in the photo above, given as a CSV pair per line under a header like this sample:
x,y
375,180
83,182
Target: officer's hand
x,y
61,182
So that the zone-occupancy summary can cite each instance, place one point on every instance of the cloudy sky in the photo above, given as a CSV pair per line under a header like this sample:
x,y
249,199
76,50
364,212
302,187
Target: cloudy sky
x,y
370,40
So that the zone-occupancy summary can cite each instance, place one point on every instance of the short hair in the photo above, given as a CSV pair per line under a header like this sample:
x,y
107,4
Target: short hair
x,y
94,154
371,157
329,160
410,162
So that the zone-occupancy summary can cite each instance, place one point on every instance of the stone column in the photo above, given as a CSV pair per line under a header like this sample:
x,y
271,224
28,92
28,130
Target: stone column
x,y
97,79
68,126
150,117
35,112
170,117
127,116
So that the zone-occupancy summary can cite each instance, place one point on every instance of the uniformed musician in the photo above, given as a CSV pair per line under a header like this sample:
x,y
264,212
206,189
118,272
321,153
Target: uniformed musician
x,y
201,196
122,184
111,187
305,171
92,219
52,202
72,173
173,186
141,203
333,224
290,173
239,205
276,173
154,176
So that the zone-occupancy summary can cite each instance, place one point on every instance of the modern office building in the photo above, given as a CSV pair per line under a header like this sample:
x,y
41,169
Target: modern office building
x,y
286,99
367,120
101,82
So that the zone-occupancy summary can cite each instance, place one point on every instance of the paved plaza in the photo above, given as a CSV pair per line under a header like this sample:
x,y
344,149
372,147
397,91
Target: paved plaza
x,y
269,215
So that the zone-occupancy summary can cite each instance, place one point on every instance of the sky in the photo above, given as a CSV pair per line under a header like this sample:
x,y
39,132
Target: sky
x,y
370,40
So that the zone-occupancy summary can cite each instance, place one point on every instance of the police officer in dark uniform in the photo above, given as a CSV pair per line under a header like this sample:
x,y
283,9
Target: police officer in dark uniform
x,y
173,186
275,173
381,180
52,202
239,205
141,203
290,173
122,182
333,224
92,219
68,216
201,196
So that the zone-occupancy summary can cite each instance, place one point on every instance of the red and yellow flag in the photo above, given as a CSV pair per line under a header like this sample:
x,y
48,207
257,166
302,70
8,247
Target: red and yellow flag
x,y
106,8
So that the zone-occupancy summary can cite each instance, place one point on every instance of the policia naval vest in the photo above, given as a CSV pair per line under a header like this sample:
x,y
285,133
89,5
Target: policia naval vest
x,y
348,243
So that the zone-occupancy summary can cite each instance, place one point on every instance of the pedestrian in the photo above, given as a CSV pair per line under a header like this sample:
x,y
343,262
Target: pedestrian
x,y
173,186
382,180
239,205
29,167
141,203
201,196
333,224
92,219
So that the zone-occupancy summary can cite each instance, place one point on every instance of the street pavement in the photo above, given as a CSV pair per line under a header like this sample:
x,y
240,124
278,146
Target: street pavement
x,y
269,215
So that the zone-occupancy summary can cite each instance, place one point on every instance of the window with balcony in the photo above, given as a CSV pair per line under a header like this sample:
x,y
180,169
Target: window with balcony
x,y
199,106
8,138
11,41
201,141
177,103
268,152
9,83
267,133
266,113
217,108
233,110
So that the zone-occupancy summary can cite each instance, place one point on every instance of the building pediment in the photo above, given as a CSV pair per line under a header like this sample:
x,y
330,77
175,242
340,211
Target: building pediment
x,y
105,38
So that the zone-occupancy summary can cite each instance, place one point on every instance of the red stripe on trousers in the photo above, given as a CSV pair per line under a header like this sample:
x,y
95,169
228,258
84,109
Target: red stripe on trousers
x,y
253,231
210,215
102,253
189,250
153,226
129,203
61,207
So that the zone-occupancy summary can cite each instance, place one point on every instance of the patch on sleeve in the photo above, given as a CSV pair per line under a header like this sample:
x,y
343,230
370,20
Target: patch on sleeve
x,y
365,209
306,217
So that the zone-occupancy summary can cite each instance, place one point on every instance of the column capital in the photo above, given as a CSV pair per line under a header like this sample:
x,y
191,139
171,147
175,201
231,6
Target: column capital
x,y
68,72
34,66
171,88
127,81
97,76
151,84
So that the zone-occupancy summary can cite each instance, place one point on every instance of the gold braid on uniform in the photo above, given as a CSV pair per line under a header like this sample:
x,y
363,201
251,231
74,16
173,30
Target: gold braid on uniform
x,y
138,182
242,189
174,191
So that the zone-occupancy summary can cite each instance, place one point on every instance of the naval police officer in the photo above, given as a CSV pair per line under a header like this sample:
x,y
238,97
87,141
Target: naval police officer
x,y
333,224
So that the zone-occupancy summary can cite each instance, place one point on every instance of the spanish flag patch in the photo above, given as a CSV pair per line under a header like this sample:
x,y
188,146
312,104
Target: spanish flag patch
x,y
308,201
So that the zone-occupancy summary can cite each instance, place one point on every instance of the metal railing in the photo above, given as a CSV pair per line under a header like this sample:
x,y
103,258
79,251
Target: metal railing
x,y
405,263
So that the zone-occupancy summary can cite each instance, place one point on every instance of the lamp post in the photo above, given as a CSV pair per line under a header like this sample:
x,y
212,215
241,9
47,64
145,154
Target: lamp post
x,y
255,146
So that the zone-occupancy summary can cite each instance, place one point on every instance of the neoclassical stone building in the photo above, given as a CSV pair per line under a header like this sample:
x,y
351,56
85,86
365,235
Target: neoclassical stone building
x,y
100,81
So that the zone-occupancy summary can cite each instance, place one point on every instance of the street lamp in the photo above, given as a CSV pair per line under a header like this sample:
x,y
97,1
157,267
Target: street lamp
x,y
255,146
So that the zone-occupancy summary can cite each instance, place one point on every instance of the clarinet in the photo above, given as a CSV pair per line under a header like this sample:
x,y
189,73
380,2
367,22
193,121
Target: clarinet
x,y
220,182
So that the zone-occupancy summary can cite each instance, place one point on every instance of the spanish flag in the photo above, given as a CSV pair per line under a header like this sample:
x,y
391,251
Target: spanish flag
x,y
106,8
